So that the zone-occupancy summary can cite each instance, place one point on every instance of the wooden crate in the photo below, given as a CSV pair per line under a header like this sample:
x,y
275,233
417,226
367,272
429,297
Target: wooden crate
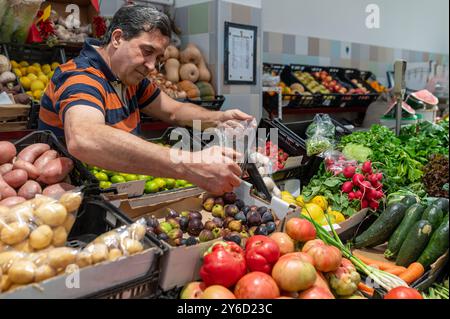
x,y
14,117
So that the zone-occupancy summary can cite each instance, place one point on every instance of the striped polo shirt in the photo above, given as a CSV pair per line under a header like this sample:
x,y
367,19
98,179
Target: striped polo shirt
x,y
88,80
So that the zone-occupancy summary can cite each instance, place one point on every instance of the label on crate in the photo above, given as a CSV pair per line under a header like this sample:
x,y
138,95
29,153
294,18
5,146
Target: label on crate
x,y
132,189
328,228
293,161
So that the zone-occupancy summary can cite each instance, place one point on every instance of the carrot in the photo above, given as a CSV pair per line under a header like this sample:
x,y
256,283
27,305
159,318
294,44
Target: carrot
x,y
382,265
366,289
414,272
397,270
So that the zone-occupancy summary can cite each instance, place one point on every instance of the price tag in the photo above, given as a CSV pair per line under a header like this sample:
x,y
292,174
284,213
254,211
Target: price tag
x,y
335,226
132,189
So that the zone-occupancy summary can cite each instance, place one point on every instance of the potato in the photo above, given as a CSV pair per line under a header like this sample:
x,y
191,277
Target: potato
x,y
6,168
114,254
32,152
22,272
69,222
24,247
44,272
8,257
31,170
99,252
137,231
7,152
23,213
56,170
52,214
72,268
16,178
41,237
57,190
29,190
45,158
41,200
14,233
110,239
12,201
131,246
71,201
38,258
59,258
5,283
59,236
84,259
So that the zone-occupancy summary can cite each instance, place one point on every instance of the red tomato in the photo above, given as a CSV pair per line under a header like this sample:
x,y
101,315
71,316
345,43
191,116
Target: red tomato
x,y
403,293
256,285
261,254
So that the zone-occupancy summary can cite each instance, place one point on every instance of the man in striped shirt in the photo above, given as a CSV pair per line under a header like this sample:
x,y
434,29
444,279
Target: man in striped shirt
x,y
95,101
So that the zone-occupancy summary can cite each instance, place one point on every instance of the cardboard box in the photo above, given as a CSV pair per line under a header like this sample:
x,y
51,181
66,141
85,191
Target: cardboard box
x,y
87,11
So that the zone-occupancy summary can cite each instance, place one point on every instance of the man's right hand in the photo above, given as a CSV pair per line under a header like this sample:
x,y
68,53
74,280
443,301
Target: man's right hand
x,y
217,173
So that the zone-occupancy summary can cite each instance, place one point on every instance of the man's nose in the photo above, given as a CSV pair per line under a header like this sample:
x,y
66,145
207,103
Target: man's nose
x,y
150,65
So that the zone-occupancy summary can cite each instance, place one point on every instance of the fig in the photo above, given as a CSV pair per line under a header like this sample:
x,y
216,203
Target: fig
x,y
241,216
262,210
226,221
185,214
174,223
205,236
231,210
218,211
152,222
262,230
267,217
191,241
235,225
271,227
218,221
230,198
184,222
226,232
170,213
253,218
253,208
183,242
210,225
195,227
163,237
245,209
175,233
195,215
217,232
176,242
252,231
240,204
219,201
208,204
234,237
163,227
244,234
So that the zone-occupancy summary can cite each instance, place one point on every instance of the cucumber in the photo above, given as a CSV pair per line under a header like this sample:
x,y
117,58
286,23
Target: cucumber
x,y
434,215
415,243
408,201
412,216
438,245
380,231
442,203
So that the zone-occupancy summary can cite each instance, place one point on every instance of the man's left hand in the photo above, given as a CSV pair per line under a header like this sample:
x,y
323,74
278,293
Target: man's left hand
x,y
235,115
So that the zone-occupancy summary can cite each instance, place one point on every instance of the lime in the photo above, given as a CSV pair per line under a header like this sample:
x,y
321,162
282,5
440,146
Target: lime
x,y
160,182
170,183
131,177
142,177
150,178
105,185
102,177
189,185
93,172
109,173
180,183
117,179
151,187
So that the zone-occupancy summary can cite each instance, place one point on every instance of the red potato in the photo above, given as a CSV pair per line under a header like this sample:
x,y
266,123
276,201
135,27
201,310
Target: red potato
x,y
30,189
56,171
16,178
57,189
32,152
12,201
6,168
31,170
7,152
45,158
6,190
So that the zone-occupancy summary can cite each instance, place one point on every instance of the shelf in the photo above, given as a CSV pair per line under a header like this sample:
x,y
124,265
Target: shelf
x,y
326,110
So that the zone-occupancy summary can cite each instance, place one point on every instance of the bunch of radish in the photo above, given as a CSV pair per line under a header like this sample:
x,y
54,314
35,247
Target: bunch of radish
x,y
364,185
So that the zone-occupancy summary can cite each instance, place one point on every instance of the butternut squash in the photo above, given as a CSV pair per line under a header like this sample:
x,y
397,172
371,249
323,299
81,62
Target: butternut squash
x,y
171,53
190,88
191,54
172,67
204,74
189,72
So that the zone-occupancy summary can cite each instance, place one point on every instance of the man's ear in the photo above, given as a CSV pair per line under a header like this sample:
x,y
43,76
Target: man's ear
x,y
116,38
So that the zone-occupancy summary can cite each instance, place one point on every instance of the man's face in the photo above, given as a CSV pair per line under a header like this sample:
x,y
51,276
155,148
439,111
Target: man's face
x,y
133,60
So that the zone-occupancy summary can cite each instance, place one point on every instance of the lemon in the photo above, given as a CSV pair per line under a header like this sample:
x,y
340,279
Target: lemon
x,y
50,75
36,65
287,194
314,211
54,65
37,85
17,72
32,76
23,71
321,201
33,70
14,64
300,201
37,94
46,68
29,93
25,82
43,78
24,64
338,216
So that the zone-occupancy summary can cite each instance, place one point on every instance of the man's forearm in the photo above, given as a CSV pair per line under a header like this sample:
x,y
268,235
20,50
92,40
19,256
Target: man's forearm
x,y
187,112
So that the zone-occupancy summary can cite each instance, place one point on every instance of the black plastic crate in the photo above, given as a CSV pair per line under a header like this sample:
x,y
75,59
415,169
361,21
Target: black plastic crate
x,y
80,175
32,53
214,104
96,217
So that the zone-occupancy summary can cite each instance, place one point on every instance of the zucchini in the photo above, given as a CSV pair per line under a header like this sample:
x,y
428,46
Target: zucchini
x,y
434,215
438,245
380,231
442,203
415,243
408,201
412,216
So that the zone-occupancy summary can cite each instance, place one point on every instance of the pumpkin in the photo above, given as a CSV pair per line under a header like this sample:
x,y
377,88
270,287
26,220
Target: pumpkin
x,y
189,72
190,88
172,67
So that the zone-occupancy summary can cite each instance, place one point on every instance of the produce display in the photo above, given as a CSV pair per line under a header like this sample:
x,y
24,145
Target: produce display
x,y
223,217
311,83
35,170
331,85
8,81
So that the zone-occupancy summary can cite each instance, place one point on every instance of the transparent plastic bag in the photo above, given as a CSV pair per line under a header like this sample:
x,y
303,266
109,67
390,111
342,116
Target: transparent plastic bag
x,y
336,162
321,134
38,223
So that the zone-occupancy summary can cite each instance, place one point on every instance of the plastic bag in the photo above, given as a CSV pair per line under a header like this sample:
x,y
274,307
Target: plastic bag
x,y
18,268
336,162
38,223
321,134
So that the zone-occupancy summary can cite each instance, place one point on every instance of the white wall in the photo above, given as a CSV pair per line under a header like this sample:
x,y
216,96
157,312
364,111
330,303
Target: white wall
x,y
421,25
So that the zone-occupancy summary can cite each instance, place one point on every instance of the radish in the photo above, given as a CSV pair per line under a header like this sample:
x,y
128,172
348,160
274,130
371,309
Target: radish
x,y
374,205
349,171
347,187
379,176
373,179
358,179
365,186
367,168
358,195
364,204
351,196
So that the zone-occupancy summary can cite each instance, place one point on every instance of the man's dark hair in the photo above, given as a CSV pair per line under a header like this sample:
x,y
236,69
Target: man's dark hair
x,y
134,19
